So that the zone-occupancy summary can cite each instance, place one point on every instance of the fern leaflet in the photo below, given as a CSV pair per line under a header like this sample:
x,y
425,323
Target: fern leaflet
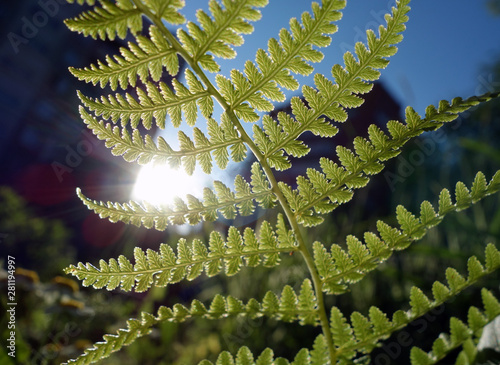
x,y
460,334
219,34
291,54
368,332
322,192
108,21
350,79
155,102
143,59
193,211
166,267
289,307
339,268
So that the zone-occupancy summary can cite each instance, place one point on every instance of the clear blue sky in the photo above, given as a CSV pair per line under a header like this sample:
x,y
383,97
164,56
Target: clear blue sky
x,y
447,44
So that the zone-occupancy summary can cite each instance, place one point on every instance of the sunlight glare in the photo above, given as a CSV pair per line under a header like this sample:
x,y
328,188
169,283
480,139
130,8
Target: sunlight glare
x,y
159,184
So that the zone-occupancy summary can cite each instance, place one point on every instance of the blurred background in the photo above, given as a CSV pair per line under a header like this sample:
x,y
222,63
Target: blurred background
x,y
450,49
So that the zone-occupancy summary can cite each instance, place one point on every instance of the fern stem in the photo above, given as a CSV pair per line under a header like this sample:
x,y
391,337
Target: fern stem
x,y
318,286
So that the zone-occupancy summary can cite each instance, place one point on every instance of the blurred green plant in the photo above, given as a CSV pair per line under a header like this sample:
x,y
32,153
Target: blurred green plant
x,y
31,239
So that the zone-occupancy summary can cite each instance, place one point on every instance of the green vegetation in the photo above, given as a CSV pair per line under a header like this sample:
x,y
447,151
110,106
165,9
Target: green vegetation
x,y
333,269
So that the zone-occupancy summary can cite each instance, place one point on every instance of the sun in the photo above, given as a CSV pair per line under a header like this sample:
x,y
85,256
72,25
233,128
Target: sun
x,y
160,184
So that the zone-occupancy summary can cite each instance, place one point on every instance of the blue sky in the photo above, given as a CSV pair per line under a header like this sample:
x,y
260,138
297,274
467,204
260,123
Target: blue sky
x,y
447,44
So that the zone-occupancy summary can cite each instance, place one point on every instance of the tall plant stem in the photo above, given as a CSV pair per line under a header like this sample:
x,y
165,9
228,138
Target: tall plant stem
x,y
318,287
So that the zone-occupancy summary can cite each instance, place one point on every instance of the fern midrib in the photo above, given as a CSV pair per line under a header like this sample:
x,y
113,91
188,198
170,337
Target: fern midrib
x,y
182,265
327,103
111,340
215,315
354,269
391,329
325,324
206,45
144,214
83,74
173,154
279,67
128,109
110,136
112,19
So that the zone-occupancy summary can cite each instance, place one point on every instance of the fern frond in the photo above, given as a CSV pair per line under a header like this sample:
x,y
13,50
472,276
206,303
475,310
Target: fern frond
x,y
331,99
339,268
217,35
167,267
322,191
155,102
289,307
168,10
251,90
133,146
319,353
143,59
461,334
81,2
286,308
108,20
368,332
135,329
245,356
221,199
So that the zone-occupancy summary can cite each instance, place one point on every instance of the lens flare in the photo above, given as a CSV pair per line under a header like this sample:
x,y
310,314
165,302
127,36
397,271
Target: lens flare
x,y
160,184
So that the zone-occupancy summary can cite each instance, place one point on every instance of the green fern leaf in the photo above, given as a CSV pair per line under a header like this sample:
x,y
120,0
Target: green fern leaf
x,y
455,281
108,20
492,257
362,330
461,334
440,291
369,332
476,320
341,180
381,324
419,301
291,54
319,353
288,303
419,357
155,102
491,305
340,268
167,267
349,79
468,354
342,332
143,149
143,59
112,343
307,304
217,35
302,358
242,94
222,200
